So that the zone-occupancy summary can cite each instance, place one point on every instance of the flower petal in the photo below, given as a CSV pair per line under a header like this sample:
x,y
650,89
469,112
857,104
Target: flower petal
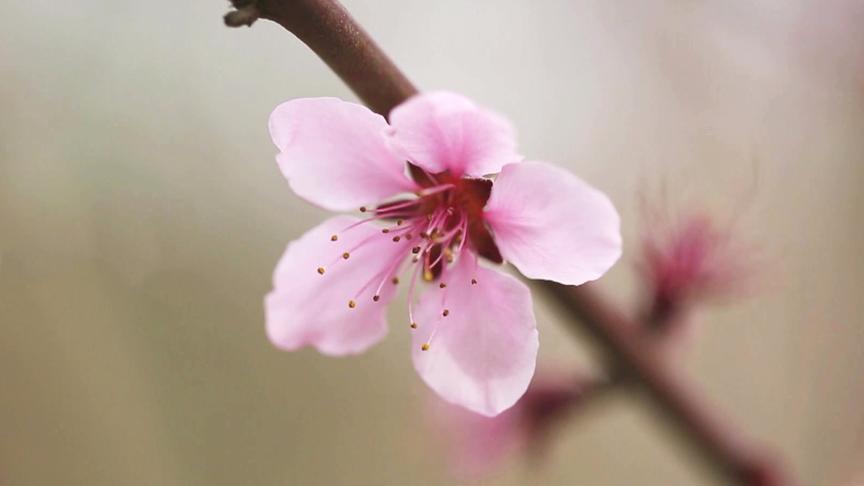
x,y
306,308
482,354
336,154
446,131
552,225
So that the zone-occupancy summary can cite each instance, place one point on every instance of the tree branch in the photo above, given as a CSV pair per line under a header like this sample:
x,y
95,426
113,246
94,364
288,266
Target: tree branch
x,y
327,28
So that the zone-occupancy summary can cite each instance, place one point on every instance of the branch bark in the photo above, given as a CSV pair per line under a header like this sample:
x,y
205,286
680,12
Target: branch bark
x,y
327,28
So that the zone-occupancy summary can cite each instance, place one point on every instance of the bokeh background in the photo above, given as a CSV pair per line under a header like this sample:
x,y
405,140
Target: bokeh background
x,y
141,214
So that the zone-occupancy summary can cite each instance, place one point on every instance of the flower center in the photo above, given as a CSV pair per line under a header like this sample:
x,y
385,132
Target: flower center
x,y
442,220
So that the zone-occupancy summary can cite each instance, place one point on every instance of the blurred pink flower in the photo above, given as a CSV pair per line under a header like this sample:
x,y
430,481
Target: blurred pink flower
x,y
474,333
685,262
478,446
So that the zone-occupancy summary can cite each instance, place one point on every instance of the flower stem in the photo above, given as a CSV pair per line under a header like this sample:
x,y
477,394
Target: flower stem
x,y
327,28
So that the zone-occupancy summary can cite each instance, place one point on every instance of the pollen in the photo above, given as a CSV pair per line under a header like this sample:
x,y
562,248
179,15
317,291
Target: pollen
x,y
352,304
424,347
320,270
346,255
446,312
334,238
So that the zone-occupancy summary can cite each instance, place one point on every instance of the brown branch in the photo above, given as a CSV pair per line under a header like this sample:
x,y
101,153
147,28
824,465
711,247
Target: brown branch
x,y
327,28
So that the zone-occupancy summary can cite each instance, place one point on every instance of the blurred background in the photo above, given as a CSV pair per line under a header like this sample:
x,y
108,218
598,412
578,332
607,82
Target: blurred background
x,y
142,213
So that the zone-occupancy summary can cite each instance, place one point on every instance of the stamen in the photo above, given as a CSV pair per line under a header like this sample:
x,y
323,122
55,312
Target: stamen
x,y
395,280
376,298
424,347
352,304
334,238
399,222
442,285
362,209
385,230
346,255
446,312
413,325
473,281
320,270
396,239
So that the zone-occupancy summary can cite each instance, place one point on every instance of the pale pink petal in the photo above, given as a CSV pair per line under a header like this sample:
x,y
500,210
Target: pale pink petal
x,y
446,131
336,154
552,225
482,354
309,309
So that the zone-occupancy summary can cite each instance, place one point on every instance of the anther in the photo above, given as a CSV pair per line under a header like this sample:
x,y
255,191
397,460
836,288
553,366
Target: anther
x,y
408,236
376,298
352,304
446,312
399,222
442,285
473,281
346,255
362,209
320,270
334,238
385,230
396,239
428,275
415,250
425,347
413,325
395,280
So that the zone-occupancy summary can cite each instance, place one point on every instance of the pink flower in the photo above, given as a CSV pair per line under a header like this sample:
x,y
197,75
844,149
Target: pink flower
x,y
478,445
431,215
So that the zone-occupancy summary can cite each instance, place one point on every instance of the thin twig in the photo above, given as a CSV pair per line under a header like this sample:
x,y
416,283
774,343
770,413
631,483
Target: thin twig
x,y
327,28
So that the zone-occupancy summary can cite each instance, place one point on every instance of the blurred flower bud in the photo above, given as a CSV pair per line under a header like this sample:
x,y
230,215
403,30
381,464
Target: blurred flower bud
x,y
685,263
478,445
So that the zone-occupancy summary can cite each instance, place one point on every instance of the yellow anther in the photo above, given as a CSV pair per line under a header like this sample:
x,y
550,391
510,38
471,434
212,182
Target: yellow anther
x,y
446,312
346,255
320,270
334,238
425,347
352,304
428,275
